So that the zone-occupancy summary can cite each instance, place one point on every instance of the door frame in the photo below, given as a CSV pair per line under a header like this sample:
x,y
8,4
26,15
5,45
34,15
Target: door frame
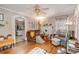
x,y
13,27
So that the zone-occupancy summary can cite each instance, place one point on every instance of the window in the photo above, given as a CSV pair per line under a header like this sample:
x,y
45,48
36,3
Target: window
x,y
61,24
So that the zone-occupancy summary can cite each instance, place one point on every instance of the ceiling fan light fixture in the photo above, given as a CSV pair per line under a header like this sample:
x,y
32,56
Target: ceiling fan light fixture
x,y
69,23
40,17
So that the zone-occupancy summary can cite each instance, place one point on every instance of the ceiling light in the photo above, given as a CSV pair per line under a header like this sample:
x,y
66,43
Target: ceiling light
x,y
69,23
39,18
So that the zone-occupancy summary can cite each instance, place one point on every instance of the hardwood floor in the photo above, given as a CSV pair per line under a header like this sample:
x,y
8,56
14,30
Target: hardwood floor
x,y
25,47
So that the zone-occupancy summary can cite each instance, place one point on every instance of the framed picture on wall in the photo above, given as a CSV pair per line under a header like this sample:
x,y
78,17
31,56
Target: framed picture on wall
x,y
1,17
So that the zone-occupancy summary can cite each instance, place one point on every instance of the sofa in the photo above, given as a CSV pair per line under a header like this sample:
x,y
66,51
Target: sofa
x,y
71,48
6,42
55,41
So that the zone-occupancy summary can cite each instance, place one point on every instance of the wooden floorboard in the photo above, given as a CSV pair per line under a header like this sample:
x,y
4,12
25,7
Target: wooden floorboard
x,y
25,47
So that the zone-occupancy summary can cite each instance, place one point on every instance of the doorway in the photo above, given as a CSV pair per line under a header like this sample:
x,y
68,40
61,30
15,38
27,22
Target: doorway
x,y
20,29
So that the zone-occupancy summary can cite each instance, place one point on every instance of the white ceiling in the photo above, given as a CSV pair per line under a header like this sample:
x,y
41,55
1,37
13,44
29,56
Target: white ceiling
x,y
54,9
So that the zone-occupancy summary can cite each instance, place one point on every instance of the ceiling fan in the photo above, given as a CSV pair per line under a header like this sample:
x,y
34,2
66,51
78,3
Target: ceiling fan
x,y
38,10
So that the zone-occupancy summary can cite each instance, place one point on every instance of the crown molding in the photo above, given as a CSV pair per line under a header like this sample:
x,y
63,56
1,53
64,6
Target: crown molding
x,y
12,11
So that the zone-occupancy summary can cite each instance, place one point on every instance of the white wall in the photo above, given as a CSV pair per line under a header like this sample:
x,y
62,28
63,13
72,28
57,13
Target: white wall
x,y
8,26
76,15
9,17
61,23
31,24
71,20
50,20
9,22
57,22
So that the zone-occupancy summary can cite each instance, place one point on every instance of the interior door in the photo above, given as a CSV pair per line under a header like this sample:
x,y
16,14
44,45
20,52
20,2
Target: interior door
x,y
20,30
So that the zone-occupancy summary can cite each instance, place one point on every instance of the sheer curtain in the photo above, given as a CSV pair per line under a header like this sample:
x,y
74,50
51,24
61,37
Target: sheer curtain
x,y
61,25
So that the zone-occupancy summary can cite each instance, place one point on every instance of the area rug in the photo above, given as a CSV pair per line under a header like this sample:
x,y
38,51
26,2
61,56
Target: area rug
x,y
37,50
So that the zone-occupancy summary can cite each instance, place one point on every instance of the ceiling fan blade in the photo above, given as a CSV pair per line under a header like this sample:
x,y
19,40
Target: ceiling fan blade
x,y
45,8
43,12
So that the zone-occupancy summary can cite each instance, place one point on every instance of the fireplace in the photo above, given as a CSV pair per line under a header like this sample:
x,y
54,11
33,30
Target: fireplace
x,y
31,35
